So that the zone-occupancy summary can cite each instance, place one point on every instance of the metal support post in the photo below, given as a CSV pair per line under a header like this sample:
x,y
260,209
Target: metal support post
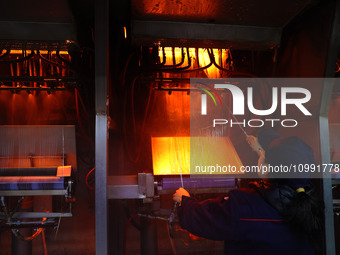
x,y
101,149
148,236
332,54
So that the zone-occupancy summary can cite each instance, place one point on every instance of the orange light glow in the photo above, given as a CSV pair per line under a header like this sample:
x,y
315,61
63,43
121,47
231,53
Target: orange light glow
x,y
203,59
172,155
178,9
125,33
177,106
42,52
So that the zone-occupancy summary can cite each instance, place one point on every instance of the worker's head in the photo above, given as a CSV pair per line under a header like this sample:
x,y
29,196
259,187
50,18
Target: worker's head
x,y
286,151
303,209
266,137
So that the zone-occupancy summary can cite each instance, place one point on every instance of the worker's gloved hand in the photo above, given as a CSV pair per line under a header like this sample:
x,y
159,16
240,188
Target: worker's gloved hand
x,y
177,197
254,144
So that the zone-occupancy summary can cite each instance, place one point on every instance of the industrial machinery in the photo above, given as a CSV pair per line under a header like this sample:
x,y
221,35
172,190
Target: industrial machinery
x,y
41,109
38,164
164,45
103,95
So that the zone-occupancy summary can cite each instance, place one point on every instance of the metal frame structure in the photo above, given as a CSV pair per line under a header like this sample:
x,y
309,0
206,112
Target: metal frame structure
x,y
101,148
35,215
151,29
28,31
256,36
6,193
333,51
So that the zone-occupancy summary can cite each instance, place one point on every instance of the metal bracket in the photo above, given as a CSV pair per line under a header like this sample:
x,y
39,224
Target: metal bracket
x,y
146,185
139,186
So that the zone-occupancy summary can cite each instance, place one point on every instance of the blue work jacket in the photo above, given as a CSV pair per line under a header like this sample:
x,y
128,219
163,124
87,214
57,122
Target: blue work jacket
x,y
245,222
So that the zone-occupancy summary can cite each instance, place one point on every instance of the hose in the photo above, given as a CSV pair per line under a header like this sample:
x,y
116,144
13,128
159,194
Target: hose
x,y
16,232
53,63
17,60
62,59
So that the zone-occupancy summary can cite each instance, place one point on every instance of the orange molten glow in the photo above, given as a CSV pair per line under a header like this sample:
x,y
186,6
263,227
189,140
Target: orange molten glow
x,y
41,52
125,33
202,59
172,155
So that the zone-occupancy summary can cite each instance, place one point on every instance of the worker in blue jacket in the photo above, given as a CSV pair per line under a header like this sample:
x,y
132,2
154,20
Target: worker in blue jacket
x,y
274,216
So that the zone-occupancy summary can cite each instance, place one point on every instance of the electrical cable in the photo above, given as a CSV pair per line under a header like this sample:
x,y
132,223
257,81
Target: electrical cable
x,y
84,135
175,65
197,57
187,70
125,68
15,231
128,214
173,70
59,221
43,239
17,206
3,55
237,73
83,106
163,60
135,159
86,179
126,230
18,235
53,63
125,119
169,69
63,59
19,59
133,106
138,145
212,59
149,217
79,120
172,243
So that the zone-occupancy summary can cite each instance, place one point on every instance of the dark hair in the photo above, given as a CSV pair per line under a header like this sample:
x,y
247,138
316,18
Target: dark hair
x,y
305,213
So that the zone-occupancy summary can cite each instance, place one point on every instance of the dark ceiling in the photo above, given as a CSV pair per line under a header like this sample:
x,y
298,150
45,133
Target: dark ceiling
x,y
267,13
153,21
